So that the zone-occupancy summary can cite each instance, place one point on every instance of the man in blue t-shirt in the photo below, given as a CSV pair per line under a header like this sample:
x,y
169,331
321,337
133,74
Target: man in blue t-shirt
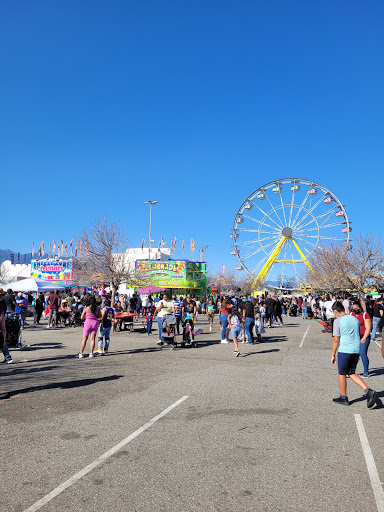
x,y
346,336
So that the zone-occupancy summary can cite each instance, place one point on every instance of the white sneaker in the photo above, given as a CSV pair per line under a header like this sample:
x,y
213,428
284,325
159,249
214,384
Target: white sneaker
x,y
224,341
210,328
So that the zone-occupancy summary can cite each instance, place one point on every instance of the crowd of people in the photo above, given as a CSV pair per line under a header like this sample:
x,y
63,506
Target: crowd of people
x,y
242,319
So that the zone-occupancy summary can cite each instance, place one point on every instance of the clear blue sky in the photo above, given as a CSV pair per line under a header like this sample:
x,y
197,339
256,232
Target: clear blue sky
x,y
105,104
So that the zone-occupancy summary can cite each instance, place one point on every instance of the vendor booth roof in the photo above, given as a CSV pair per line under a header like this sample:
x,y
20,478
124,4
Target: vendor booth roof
x,y
32,284
150,289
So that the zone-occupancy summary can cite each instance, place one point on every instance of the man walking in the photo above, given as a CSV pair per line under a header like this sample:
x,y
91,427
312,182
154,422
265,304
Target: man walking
x,y
346,336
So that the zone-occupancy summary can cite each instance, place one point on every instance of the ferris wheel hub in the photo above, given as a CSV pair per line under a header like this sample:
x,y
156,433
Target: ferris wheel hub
x,y
287,232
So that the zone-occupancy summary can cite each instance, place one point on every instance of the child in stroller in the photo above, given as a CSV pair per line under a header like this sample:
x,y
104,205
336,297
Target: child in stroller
x,y
188,331
168,331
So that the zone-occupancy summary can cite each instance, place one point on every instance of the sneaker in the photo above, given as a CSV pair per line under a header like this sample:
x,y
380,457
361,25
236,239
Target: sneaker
x,y
210,328
365,375
91,354
104,352
159,342
79,356
224,341
47,327
341,401
8,360
99,351
237,353
371,398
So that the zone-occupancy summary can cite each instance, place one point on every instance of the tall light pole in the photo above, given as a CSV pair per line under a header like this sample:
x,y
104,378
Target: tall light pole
x,y
202,252
151,203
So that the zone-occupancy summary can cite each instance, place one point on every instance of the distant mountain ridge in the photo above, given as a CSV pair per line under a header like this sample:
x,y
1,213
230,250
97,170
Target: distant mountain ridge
x,y
5,254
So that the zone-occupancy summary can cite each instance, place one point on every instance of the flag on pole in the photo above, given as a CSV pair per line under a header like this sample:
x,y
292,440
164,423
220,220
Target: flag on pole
x,y
76,247
142,244
149,245
172,248
42,248
66,250
174,244
33,248
71,246
193,245
81,248
58,251
159,245
162,243
223,272
62,247
49,253
182,246
54,247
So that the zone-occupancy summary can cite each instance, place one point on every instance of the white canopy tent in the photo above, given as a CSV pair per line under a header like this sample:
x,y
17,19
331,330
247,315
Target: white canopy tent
x,y
32,284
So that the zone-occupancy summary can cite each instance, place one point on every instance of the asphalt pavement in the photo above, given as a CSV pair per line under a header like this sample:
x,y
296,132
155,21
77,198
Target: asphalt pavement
x,y
193,429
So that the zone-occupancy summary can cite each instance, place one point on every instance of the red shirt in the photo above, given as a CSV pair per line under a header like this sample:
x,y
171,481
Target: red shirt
x,y
361,317
225,310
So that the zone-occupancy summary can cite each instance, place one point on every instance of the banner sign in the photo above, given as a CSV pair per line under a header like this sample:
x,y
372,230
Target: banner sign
x,y
60,271
174,273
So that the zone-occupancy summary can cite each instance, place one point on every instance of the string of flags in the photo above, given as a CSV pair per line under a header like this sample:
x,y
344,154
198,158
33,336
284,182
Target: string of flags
x,y
162,243
81,249
62,249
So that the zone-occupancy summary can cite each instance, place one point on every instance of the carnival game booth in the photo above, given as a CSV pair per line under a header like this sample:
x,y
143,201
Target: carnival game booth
x,y
177,276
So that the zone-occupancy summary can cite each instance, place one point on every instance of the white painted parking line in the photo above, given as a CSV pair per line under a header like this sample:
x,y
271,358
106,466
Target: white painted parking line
x,y
43,501
305,335
371,465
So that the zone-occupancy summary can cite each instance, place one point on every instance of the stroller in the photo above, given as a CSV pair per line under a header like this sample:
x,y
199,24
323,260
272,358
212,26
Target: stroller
x,y
74,319
188,333
14,336
293,310
168,331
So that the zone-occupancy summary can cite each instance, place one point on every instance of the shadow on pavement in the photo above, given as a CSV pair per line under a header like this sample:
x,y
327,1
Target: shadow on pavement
x,y
61,385
260,352
376,371
39,346
274,339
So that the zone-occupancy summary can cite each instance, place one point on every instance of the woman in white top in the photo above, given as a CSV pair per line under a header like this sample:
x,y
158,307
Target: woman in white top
x,y
163,308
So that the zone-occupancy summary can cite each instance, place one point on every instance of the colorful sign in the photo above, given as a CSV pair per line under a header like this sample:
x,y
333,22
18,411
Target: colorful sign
x,y
174,273
58,270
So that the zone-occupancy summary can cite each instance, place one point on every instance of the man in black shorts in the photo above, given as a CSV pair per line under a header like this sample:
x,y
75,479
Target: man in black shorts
x,y
346,337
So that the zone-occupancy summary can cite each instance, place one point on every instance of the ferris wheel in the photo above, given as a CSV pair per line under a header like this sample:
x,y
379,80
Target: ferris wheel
x,y
280,224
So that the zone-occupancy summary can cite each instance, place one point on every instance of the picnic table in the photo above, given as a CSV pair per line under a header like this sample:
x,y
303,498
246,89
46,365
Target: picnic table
x,y
125,319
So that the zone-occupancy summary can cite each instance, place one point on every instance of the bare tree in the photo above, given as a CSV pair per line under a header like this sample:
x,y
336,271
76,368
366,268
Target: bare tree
x,y
249,284
104,258
338,267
